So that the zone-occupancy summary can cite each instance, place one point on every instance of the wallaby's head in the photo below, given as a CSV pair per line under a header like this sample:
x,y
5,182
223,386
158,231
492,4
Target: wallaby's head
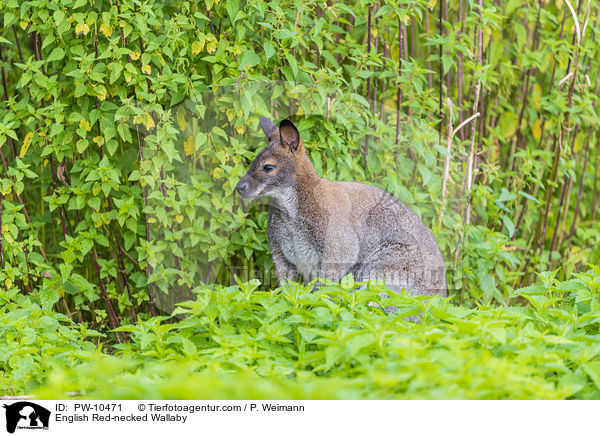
x,y
276,168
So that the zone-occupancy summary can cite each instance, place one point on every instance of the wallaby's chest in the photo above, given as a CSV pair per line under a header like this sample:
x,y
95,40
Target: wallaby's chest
x,y
298,245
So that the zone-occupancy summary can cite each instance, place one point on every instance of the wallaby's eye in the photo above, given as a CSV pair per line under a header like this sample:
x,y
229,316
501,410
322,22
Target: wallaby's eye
x,y
268,168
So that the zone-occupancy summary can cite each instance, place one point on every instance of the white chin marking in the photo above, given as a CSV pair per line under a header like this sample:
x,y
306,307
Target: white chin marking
x,y
254,195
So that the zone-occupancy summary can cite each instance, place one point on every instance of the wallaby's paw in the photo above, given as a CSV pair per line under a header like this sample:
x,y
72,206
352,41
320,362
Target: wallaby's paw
x,y
390,309
373,304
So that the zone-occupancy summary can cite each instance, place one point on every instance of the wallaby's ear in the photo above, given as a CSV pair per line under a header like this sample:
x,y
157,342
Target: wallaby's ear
x,y
289,135
268,126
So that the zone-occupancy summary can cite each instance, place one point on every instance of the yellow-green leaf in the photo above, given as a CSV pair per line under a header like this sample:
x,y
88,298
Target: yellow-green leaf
x,y
26,143
181,118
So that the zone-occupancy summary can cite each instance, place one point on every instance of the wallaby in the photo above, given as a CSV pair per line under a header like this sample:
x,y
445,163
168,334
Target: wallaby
x,y
320,228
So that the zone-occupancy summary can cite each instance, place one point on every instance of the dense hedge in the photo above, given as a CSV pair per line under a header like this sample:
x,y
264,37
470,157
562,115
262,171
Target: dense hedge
x,y
235,342
124,128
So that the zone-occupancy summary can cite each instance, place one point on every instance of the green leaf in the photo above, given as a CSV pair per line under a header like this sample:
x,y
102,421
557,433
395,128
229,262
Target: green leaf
x,y
359,98
82,145
48,298
94,203
232,7
115,71
510,227
188,346
56,55
124,132
80,90
111,146
249,59
592,369
291,60
269,50
526,195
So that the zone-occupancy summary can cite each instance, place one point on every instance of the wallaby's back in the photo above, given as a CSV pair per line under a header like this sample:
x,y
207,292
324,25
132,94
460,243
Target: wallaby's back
x,y
394,243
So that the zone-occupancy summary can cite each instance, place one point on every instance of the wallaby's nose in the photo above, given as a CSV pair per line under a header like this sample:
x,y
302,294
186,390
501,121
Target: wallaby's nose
x,y
242,187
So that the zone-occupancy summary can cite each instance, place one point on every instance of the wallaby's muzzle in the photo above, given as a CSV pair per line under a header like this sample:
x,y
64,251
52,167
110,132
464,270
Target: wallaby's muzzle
x,y
241,187
246,187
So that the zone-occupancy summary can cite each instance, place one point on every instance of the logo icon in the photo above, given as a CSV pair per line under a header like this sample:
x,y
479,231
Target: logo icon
x,y
26,415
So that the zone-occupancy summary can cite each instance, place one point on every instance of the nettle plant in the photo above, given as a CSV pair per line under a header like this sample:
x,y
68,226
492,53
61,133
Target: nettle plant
x,y
124,128
295,343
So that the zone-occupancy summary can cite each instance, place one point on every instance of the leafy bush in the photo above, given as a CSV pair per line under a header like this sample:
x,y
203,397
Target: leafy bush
x,y
124,128
33,340
235,342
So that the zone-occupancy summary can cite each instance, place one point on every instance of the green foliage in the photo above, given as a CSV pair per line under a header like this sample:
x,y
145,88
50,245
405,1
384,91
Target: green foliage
x,y
124,128
124,133
33,340
236,342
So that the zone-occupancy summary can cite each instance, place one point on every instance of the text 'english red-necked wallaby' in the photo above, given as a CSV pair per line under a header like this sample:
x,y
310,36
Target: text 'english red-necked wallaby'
x,y
325,229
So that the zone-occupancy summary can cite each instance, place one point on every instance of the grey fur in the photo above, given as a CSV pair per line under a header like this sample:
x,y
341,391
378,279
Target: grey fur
x,y
267,125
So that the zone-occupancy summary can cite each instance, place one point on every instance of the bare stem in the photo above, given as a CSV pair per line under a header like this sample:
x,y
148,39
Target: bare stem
x,y
470,156
1,235
366,149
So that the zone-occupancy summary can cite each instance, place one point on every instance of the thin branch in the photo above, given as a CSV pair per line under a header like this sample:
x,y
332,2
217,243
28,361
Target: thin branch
x,y
470,156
